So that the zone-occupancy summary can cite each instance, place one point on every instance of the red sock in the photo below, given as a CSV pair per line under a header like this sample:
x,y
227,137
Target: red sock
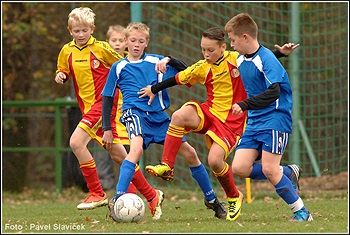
x,y
91,177
172,143
142,184
227,181
132,188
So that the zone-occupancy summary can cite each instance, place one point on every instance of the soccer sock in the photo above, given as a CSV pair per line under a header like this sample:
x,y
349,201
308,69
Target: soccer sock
x,y
200,174
172,143
132,188
287,171
126,173
227,181
89,172
257,173
142,184
285,190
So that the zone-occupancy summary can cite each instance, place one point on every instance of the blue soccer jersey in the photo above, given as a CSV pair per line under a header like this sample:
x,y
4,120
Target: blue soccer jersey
x,y
131,76
258,73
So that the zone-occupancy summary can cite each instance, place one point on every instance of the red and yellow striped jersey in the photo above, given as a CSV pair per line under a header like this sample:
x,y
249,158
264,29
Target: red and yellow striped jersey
x,y
89,67
223,84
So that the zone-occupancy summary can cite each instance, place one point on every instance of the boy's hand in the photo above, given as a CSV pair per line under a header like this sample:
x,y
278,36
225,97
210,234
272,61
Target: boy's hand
x,y
161,65
287,48
107,140
236,109
147,91
60,78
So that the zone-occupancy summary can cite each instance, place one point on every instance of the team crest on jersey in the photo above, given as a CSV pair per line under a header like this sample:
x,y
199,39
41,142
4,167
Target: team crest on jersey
x,y
95,64
234,73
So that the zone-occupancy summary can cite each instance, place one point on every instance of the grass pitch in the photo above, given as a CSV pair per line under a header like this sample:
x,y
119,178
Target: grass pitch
x,y
36,211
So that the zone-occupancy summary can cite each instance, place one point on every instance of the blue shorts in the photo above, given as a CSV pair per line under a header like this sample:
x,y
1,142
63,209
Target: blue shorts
x,y
271,141
152,126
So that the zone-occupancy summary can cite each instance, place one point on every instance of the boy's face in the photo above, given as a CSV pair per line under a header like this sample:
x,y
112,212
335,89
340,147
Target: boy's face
x,y
212,50
237,42
137,42
81,33
117,41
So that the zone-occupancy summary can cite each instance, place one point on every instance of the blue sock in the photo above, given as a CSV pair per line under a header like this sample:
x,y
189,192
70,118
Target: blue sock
x,y
257,173
285,190
200,174
287,171
127,170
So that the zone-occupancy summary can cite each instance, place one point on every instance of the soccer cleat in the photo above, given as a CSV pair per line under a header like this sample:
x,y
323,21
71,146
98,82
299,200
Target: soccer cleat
x,y
111,209
220,211
295,177
156,205
234,207
92,201
300,216
162,170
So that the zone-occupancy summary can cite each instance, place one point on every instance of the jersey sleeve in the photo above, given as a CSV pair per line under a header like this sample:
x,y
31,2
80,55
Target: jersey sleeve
x,y
62,60
192,74
108,54
111,83
273,69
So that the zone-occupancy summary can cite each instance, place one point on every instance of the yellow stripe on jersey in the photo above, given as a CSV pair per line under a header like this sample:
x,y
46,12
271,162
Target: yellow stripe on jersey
x,y
223,83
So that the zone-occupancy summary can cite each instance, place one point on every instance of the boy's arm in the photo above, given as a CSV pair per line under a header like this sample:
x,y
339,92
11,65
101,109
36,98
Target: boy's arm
x,y
164,84
285,50
107,104
262,100
150,91
176,63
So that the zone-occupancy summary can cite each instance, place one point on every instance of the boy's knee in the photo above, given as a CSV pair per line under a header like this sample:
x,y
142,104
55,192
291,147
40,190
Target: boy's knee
x,y
74,144
239,170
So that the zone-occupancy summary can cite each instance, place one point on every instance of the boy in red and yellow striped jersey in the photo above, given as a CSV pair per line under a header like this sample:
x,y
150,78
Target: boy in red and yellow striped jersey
x,y
88,62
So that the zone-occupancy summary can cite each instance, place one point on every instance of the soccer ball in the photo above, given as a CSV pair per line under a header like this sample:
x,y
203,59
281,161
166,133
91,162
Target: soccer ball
x,y
129,207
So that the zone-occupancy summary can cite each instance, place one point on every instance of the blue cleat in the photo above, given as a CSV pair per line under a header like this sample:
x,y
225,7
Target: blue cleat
x,y
300,216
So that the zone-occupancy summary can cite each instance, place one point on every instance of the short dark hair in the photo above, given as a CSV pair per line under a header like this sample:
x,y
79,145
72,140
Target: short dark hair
x,y
215,33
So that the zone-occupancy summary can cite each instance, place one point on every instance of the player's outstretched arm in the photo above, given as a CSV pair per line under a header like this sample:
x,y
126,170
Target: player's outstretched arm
x,y
287,48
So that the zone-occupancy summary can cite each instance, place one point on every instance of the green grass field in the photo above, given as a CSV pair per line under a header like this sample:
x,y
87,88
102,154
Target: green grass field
x,y
183,212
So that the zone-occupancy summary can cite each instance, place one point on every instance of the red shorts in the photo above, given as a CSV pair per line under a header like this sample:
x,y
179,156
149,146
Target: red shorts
x,y
223,133
91,122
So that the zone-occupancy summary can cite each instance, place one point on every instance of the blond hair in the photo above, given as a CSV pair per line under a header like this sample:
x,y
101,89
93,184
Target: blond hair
x,y
115,28
82,16
139,27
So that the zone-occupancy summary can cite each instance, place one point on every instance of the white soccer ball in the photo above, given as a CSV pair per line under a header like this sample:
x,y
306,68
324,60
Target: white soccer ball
x,y
129,207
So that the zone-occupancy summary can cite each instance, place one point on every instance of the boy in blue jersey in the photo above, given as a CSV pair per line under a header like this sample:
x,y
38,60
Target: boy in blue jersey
x,y
146,123
269,106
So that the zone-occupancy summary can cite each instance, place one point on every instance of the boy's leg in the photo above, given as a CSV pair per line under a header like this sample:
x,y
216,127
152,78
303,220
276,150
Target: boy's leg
x,y
200,174
186,116
293,172
153,196
97,196
234,196
127,169
172,143
78,143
